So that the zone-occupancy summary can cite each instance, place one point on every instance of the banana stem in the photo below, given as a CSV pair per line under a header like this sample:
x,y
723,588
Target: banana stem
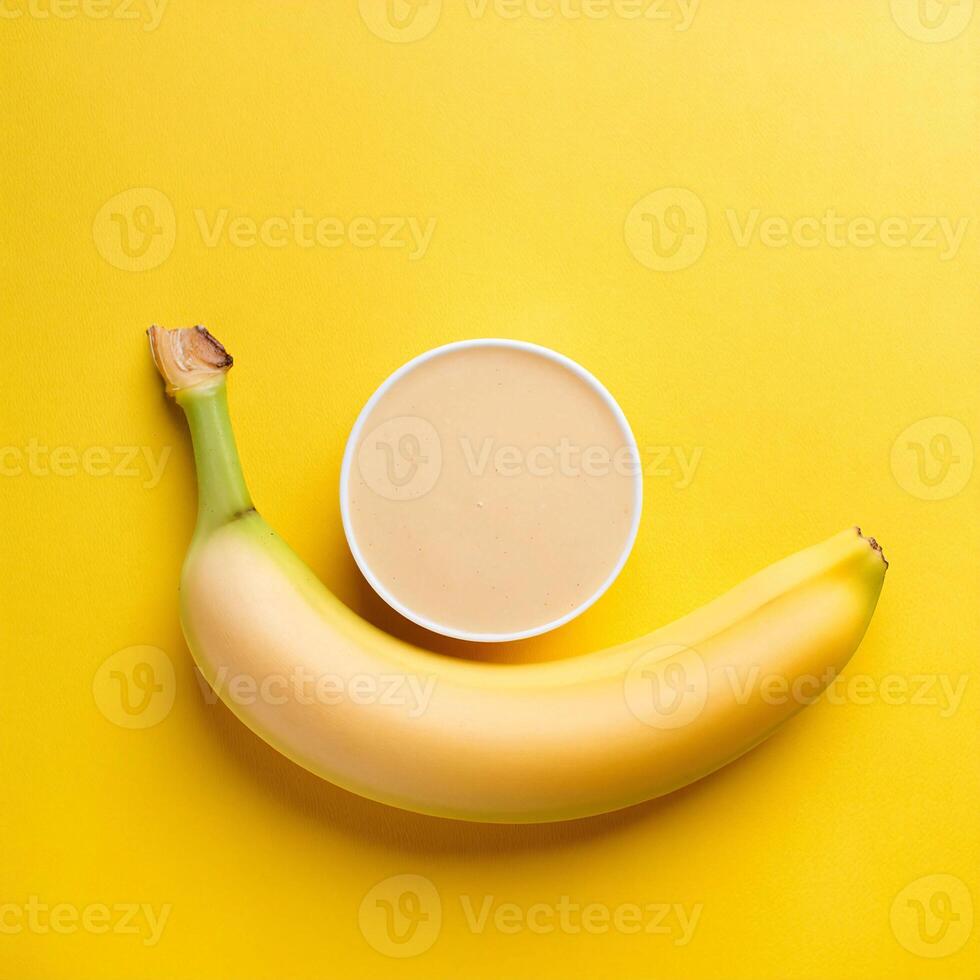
x,y
222,493
195,365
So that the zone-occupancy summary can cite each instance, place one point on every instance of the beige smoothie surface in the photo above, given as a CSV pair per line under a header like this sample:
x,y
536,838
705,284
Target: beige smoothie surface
x,y
492,490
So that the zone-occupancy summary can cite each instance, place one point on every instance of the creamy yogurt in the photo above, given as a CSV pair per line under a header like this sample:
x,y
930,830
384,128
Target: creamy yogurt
x,y
491,490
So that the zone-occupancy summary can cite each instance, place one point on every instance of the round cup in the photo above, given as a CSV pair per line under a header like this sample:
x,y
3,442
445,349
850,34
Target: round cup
x,y
350,460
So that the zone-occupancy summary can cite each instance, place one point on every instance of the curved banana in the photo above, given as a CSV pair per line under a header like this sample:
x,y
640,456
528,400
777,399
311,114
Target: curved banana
x,y
477,741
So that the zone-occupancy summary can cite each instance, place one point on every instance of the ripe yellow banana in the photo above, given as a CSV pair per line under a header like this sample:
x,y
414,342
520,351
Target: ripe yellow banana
x,y
477,741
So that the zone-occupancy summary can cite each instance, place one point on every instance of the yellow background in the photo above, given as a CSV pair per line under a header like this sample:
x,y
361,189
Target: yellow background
x,y
794,370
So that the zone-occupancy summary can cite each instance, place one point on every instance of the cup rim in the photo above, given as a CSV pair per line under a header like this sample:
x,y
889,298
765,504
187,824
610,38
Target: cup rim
x,y
348,461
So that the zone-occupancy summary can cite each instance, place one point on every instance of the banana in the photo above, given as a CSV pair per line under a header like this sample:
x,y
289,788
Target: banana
x,y
486,742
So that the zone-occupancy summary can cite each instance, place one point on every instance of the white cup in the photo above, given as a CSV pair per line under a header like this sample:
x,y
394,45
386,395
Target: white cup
x,y
351,460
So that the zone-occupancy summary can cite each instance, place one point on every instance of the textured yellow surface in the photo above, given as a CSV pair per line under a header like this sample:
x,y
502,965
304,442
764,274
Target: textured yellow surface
x,y
756,224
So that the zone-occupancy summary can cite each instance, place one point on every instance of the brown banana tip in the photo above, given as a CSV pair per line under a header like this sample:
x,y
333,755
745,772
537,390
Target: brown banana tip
x,y
874,544
222,356
187,356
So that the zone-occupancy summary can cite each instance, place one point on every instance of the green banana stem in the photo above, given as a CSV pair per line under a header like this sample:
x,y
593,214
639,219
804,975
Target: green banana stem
x,y
221,491
195,366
